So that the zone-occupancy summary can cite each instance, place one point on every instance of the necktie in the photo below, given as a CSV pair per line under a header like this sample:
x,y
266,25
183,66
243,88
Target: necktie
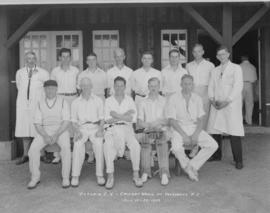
x,y
30,73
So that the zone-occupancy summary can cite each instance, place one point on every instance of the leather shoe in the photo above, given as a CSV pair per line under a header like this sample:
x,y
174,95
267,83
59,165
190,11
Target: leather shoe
x,y
22,160
239,165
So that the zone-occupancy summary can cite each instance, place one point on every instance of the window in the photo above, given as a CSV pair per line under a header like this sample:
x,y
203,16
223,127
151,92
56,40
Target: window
x,y
104,43
47,44
173,39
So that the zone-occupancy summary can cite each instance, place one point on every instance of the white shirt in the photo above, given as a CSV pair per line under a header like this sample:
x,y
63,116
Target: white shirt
x,y
171,79
152,110
140,77
83,110
249,71
114,72
185,113
98,78
200,71
66,80
111,104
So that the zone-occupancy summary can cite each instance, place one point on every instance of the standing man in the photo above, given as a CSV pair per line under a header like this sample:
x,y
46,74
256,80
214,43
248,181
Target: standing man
x,y
201,70
87,117
249,78
140,77
51,121
225,94
29,82
120,113
120,69
151,117
185,113
172,74
98,76
66,77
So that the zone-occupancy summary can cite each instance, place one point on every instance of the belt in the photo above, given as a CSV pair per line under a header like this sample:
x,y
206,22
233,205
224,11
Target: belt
x,y
68,94
114,124
90,122
140,95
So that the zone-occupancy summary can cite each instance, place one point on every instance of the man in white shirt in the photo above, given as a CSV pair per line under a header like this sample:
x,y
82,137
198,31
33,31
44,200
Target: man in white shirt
x,y
185,115
201,70
29,82
119,69
225,94
87,116
97,76
151,117
172,74
249,78
120,114
52,119
66,77
140,77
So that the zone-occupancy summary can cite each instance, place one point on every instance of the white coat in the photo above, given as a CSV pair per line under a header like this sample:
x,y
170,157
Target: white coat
x,y
227,86
25,109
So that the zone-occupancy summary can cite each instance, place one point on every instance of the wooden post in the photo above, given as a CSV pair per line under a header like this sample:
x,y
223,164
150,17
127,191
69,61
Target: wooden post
x,y
227,26
5,124
265,77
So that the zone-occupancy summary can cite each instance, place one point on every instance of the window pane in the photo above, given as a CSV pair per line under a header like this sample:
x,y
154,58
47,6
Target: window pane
x,y
166,40
43,41
75,54
174,40
67,41
35,41
106,40
59,41
27,43
75,40
43,55
57,54
182,36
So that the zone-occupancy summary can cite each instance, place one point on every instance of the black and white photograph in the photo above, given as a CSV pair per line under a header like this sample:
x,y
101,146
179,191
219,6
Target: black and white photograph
x,y
134,106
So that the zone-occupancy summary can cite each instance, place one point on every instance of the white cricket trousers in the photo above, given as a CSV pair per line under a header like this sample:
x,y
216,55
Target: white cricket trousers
x,y
89,132
207,144
34,155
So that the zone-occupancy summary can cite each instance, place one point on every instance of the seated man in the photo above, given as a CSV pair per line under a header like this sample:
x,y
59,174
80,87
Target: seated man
x,y
120,113
151,117
185,113
52,119
87,118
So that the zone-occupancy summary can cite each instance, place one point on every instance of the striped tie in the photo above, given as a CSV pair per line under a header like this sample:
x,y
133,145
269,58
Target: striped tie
x,y
30,73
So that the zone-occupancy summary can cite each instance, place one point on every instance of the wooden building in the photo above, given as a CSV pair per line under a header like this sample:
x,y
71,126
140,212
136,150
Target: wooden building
x,y
136,27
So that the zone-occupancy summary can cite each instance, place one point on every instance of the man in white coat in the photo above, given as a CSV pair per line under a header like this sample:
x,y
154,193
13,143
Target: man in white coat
x,y
225,94
201,70
29,82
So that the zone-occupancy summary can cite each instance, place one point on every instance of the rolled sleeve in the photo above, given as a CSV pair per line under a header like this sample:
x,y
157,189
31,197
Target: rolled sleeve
x,y
133,107
107,110
100,110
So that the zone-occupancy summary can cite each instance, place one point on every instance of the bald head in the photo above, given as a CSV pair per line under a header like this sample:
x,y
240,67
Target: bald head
x,y
86,86
119,56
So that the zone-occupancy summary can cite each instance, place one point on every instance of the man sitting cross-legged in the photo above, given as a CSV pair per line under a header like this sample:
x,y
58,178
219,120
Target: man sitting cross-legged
x,y
185,113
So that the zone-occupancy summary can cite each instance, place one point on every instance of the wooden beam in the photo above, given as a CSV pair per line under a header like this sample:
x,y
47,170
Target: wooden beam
x,y
227,25
30,22
203,23
250,23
